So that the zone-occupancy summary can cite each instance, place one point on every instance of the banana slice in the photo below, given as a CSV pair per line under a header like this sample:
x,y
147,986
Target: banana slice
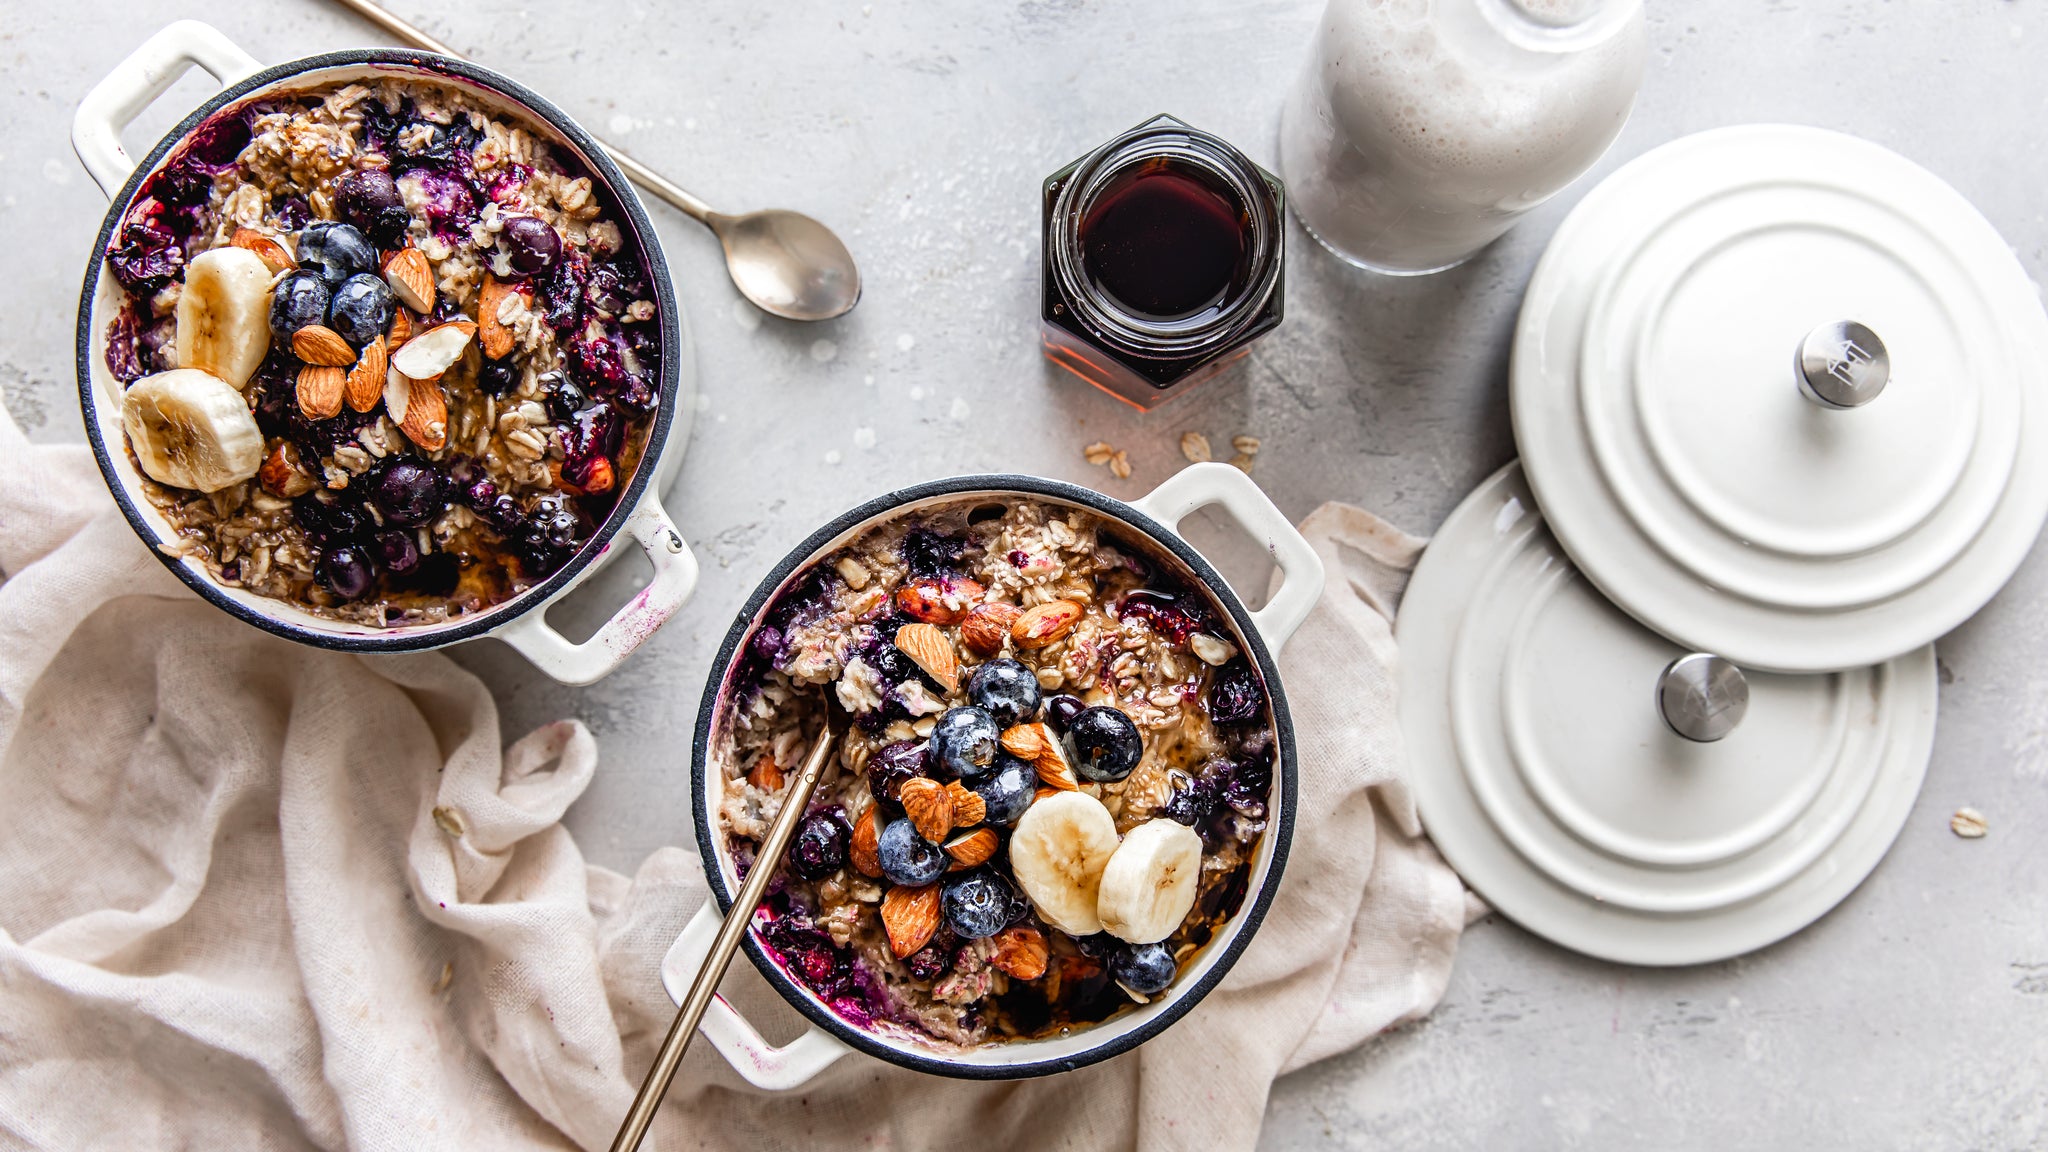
x,y
1150,883
191,430
1057,854
224,314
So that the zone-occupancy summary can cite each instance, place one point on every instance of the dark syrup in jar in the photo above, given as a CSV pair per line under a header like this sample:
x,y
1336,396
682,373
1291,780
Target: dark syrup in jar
x,y
1167,241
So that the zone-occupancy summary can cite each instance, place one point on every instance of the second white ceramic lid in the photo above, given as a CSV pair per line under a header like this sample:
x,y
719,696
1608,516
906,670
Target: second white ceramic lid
x,y
1791,514
1546,772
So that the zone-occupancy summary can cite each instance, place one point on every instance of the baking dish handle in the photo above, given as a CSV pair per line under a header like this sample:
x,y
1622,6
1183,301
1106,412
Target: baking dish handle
x,y
1201,485
762,1064
675,577
140,79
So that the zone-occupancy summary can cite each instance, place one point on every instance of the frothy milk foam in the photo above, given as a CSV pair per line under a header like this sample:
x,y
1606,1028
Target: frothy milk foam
x,y
1422,128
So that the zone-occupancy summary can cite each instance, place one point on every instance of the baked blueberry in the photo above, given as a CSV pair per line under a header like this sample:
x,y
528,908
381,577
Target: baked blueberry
x,y
964,743
1142,969
819,848
1234,694
1007,791
530,243
346,571
407,491
893,766
1061,709
907,858
1005,690
976,904
1103,745
369,200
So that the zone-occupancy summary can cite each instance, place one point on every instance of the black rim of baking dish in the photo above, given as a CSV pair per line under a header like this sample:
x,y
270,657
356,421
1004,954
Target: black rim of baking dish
x,y
400,638
1248,917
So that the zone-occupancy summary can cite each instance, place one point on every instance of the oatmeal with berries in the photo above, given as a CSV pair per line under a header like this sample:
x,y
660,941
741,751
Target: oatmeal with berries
x,y
386,353
1054,783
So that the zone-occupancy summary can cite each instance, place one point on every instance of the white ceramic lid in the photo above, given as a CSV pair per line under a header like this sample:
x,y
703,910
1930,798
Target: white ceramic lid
x,y
1549,779
1659,410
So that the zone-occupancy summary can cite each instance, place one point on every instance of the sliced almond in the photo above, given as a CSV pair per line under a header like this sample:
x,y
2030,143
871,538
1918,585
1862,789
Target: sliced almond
x,y
866,853
430,353
272,253
491,331
402,328
1045,624
1026,741
972,848
969,808
1053,769
366,379
910,916
929,806
411,278
766,774
932,651
987,627
320,390
317,344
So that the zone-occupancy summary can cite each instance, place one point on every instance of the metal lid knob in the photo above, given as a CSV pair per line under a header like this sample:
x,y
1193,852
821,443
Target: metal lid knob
x,y
1842,365
1702,697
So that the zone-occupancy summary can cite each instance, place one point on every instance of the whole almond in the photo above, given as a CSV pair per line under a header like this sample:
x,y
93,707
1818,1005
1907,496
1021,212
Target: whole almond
x,y
281,474
320,390
969,808
971,848
987,626
930,649
366,379
1045,624
1020,951
866,853
318,344
420,410
766,774
491,332
938,600
411,278
402,328
1026,741
929,806
268,250
910,916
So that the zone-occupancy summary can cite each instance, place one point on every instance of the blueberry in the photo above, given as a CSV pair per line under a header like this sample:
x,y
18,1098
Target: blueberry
x,y
531,243
1100,946
819,848
361,309
964,743
299,301
345,571
934,959
145,258
326,523
336,251
1174,617
1061,709
1234,694
1103,744
498,377
369,200
1143,969
927,553
1007,791
396,551
893,766
976,904
907,858
1246,793
1005,690
408,492
565,399
480,494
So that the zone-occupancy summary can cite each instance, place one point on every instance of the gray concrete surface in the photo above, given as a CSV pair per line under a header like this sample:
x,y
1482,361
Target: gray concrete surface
x,y
1916,1015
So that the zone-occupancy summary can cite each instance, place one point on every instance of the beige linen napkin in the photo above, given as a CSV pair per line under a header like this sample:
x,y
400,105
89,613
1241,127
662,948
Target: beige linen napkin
x,y
254,895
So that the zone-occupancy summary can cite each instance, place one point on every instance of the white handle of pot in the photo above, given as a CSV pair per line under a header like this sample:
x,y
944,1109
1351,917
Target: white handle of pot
x,y
751,1055
675,577
136,82
1201,485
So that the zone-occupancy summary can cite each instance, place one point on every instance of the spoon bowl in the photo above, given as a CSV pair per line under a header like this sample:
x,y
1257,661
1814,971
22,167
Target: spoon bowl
x,y
788,264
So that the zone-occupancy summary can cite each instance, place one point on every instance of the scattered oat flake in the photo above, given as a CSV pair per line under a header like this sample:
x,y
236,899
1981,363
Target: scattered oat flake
x,y
1249,445
1098,452
1120,465
1969,824
1195,447
447,978
1242,462
450,821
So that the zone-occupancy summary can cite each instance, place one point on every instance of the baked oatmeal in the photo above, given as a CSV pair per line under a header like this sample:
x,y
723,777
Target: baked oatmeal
x,y
1049,798
387,355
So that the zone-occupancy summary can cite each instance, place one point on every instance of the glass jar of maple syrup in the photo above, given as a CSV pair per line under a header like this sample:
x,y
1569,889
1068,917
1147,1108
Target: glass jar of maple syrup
x,y
1163,255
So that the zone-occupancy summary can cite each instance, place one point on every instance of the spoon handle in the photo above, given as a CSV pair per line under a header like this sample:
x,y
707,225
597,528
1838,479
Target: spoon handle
x,y
640,173
737,920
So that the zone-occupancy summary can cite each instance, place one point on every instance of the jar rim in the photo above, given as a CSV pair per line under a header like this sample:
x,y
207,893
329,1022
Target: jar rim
x,y
1166,136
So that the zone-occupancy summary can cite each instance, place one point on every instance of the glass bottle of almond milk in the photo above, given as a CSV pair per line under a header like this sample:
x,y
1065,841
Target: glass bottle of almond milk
x,y
1422,129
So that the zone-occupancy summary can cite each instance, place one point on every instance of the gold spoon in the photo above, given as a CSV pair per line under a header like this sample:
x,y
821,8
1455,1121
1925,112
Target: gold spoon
x,y
788,264
766,861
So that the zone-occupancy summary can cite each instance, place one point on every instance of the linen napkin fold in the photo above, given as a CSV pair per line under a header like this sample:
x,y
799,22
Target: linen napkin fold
x,y
256,895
